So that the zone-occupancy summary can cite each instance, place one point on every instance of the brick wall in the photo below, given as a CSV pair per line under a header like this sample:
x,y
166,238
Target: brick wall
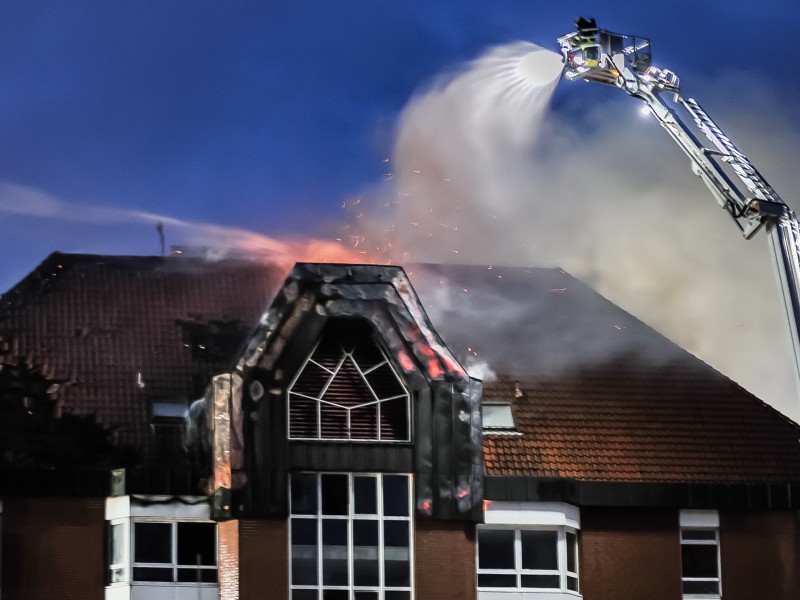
x,y
228,559
444,557
760,555
263,566
630,554
53,548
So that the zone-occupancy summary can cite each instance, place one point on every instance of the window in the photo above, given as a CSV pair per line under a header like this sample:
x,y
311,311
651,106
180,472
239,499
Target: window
x,y
528,558
118,551
350,537
497,417
173,551
348,390
700,554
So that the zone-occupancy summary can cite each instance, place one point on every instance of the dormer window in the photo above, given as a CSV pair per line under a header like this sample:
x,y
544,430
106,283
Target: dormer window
x,y
348,390
498,417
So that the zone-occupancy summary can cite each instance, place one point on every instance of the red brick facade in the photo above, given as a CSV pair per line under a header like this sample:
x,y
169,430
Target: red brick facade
x,y
760,555
53,548
630,554
228,559
264,563
444,561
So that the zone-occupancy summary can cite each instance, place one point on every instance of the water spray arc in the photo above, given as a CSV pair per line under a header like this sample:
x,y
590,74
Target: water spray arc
x,y
624,61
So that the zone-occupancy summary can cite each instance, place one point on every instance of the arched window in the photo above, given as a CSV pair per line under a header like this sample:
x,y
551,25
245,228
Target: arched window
x,y
348,390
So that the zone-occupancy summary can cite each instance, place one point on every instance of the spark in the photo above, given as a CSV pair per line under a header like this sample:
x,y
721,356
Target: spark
x,y
386,160
558,290
387,176
466,290
417,171
445,179
455,251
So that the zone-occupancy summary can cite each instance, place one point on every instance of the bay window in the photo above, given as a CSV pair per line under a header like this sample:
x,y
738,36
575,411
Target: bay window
x,y
161,546
174,551
528,559
528,547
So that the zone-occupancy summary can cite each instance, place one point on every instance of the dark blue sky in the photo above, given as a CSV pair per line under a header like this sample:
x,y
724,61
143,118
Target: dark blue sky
x,y
266,115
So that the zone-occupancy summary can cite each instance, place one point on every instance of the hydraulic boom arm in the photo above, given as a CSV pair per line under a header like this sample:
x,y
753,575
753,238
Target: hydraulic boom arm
x,y
623,61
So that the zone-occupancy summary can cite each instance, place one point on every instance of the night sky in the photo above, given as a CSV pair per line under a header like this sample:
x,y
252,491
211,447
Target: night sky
x,y
269,116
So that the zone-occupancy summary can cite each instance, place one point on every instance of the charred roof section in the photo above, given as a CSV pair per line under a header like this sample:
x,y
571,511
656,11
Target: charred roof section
x,y
444,447
123,333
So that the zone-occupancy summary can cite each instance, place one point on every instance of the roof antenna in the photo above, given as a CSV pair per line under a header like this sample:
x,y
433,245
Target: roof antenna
x,y
160,229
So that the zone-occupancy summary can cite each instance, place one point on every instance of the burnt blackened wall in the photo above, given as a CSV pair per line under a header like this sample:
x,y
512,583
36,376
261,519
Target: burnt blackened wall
x,y
630,554
760,555
53,548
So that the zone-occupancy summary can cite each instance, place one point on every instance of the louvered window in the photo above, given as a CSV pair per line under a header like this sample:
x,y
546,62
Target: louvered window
x,y
348,390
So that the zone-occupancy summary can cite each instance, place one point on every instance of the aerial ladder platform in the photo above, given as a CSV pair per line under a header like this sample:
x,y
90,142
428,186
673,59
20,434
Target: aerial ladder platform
x,y
624,61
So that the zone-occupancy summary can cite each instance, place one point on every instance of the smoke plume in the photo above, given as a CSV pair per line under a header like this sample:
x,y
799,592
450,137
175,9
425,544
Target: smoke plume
x,y
484,173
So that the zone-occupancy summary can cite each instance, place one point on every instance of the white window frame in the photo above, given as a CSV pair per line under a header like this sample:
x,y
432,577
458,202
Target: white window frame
x,y
505,423
174,565
123,568
373,400
518,571
350,518
531,516
128,510
701,520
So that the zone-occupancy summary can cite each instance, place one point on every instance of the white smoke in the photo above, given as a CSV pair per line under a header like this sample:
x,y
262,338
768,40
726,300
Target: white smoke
x,y
483,173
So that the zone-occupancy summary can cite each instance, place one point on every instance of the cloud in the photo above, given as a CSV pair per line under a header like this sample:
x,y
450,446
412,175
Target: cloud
x,y
213,240
19,199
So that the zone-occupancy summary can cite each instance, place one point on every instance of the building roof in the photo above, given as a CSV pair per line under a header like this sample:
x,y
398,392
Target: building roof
x,y
121,332
602,396
596,394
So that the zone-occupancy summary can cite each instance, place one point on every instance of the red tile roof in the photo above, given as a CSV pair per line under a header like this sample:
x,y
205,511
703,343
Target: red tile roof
x,y
680,422
605,398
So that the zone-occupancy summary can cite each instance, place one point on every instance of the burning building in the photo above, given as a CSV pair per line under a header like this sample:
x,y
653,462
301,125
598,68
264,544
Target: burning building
x,y
372,432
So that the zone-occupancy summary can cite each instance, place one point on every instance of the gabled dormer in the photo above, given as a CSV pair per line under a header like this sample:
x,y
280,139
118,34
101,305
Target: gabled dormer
x,y
347,374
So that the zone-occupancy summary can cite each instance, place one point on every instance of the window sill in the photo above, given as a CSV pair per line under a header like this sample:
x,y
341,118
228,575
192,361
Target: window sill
x,y
527,595
162,591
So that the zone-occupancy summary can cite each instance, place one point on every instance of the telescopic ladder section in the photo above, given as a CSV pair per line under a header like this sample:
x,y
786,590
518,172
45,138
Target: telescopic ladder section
x,y
601,56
